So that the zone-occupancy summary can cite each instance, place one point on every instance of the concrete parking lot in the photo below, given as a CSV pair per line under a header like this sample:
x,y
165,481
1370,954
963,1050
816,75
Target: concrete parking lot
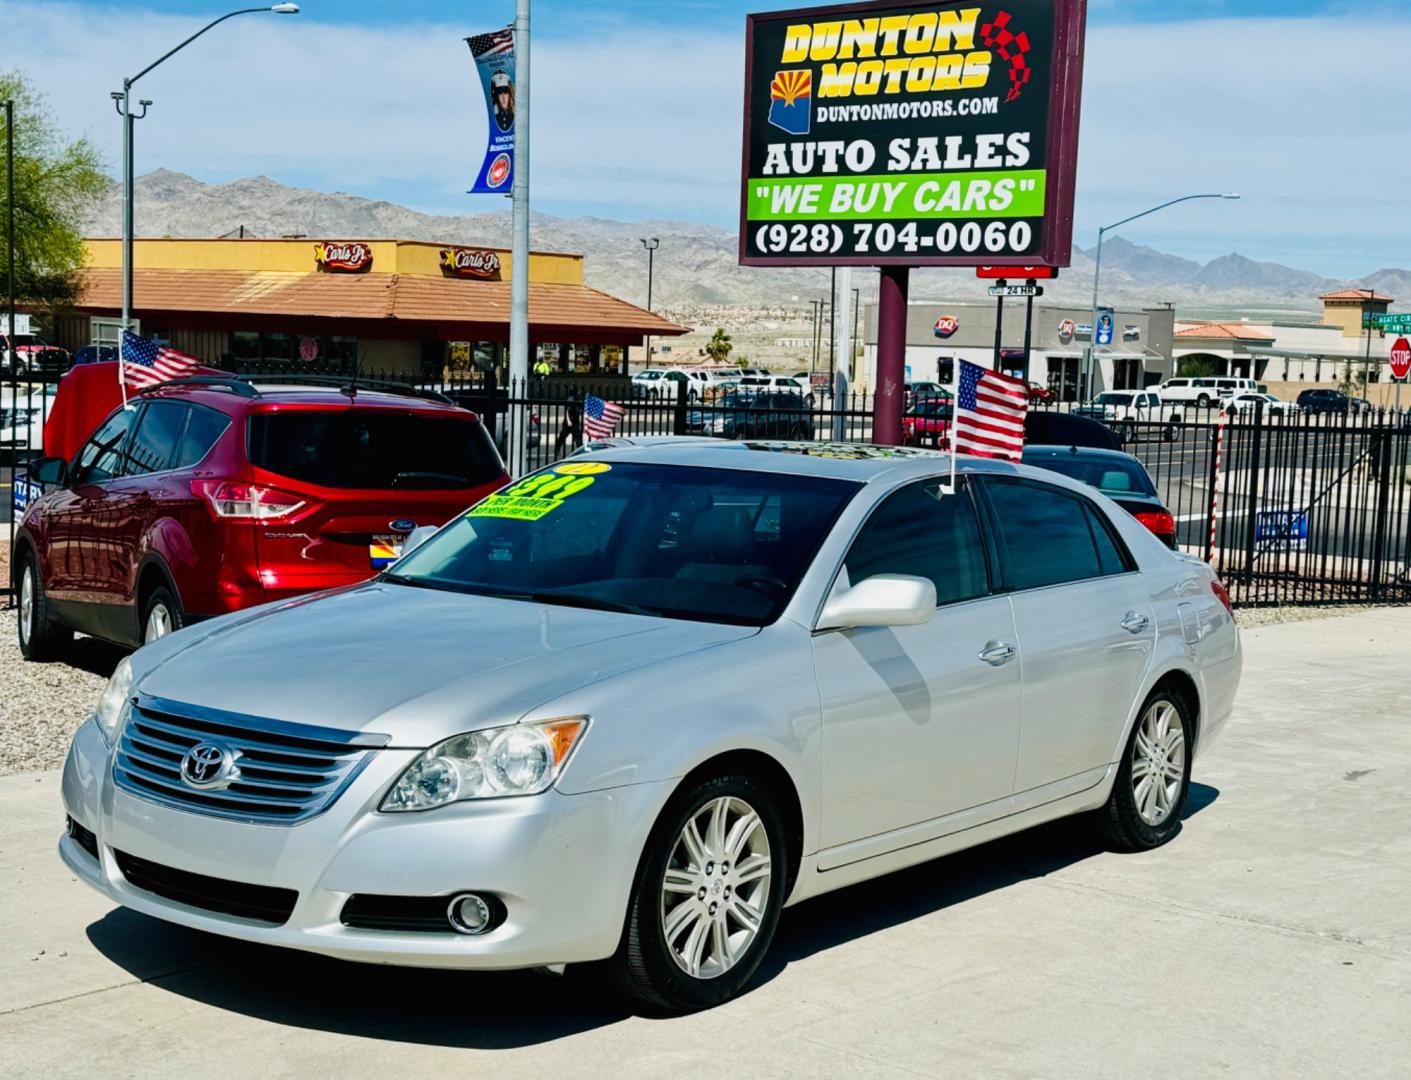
x,y
1272,938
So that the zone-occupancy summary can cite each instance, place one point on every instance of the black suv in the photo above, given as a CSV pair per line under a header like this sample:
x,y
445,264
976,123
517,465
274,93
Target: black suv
x,y
1323,401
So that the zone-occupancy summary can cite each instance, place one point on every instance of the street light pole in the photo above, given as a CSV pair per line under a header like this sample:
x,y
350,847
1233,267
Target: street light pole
x,y
124,100
651,247
1089,354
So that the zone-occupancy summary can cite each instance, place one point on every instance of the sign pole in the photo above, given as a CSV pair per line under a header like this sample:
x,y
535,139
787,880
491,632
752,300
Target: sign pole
x,y
519,246
891,355
1028,331
999,325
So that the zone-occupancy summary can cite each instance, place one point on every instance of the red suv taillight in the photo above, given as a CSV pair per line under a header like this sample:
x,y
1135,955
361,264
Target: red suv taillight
x,y
1222,594
1158,521
232,500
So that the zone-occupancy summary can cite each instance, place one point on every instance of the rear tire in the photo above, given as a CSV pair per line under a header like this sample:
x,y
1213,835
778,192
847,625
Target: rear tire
x,y
698,926
161,615
41,636
1153,780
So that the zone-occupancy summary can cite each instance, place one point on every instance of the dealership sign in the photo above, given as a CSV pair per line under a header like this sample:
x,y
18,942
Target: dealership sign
x,y
470,263
946,325
1027,272
342,257
937,133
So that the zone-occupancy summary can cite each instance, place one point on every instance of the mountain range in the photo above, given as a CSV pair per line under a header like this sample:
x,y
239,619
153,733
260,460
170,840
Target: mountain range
x,y
696,265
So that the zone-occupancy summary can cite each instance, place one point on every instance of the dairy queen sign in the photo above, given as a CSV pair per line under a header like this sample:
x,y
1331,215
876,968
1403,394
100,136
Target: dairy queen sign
x,y
342,257
470,263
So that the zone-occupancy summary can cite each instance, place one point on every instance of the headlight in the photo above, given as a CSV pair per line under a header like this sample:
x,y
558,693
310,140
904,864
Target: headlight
x,y
114,700
716,423
522,759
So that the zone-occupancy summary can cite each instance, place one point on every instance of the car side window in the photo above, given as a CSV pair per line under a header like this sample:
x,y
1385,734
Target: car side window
x,y
923,533
1045,535
1112,558
202,431
154,442
100,458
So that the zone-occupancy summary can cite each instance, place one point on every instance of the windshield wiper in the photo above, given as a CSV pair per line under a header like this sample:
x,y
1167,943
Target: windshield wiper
x,y
415,583
593,603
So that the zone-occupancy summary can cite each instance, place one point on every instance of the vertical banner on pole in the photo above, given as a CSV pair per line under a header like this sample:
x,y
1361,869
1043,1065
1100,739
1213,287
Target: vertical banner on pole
x,y
494,60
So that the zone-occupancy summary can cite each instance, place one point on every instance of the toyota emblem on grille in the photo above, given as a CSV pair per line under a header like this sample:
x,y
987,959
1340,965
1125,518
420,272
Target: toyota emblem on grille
x,y
208,765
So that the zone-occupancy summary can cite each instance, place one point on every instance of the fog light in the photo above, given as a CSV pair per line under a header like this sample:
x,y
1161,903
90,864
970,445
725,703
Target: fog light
x,y
468,914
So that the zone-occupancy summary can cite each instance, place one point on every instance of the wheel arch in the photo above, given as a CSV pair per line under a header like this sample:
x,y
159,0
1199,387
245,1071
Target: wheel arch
x,y
776,779
23,545
1181,682
152,573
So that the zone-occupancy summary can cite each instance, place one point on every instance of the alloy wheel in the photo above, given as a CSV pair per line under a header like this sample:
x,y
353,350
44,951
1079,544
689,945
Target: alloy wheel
x,y
715,888
27,604
158,623
1158,762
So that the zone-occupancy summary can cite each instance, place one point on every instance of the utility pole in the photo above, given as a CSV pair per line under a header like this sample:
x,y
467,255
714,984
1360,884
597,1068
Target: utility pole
x,y
832,321
10,229
519,246
1367,318
651,246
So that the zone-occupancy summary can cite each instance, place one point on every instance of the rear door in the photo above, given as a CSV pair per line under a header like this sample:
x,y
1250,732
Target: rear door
x,y
1085,632
359,480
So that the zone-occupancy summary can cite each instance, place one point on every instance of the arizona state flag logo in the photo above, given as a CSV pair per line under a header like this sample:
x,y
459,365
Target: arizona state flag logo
x,y
791,101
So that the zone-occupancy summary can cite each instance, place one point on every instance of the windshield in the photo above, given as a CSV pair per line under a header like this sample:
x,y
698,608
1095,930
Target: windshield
x,y
711,545
1113,476
375,449
936,407
1114,399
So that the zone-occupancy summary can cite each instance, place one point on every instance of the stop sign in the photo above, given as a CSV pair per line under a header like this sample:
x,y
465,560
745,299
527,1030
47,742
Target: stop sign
x,y
1400,357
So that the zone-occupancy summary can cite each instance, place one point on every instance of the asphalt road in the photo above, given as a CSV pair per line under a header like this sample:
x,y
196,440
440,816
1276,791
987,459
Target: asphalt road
x,y
1269,939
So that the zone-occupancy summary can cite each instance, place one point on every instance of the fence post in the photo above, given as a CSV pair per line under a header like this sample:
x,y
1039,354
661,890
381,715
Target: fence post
x,y
1252,530
678,413
1382,457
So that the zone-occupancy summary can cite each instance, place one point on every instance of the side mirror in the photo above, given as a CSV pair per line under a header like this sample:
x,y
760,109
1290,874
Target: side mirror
x,y
418,536
50,471
884,600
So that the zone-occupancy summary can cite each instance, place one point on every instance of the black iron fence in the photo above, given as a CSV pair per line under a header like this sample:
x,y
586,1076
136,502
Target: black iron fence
x,y
1291,507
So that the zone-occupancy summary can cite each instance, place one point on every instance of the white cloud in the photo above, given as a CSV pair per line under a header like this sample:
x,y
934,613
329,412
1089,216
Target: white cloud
x,y
1303,116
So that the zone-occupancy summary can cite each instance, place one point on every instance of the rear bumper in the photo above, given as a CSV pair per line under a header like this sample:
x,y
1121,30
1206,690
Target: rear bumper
x,y
562,865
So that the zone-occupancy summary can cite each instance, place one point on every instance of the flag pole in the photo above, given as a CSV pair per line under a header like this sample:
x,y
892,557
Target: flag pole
x,y
122,368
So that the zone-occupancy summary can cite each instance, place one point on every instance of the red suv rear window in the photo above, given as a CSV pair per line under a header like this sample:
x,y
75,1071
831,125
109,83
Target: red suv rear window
x,y
378,449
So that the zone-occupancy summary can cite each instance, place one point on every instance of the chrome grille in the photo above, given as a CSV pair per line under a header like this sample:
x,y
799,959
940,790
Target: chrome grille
x,y
285,773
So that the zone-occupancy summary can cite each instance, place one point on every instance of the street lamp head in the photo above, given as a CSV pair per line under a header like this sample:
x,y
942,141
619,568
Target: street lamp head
x,y
1230,195
285,9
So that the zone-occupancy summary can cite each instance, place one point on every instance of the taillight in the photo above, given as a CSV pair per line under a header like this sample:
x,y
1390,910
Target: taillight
x,y
232,500
1158,521
1222,594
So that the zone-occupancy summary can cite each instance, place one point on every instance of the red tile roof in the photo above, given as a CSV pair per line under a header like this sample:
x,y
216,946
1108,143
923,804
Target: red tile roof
x,y
1358,294
1232,331
368,296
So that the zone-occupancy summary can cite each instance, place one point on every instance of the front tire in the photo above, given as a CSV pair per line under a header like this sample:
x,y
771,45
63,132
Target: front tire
x,y
41,637
1149,794
707,897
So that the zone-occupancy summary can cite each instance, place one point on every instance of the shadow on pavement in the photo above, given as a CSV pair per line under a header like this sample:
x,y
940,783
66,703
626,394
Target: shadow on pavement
x,y
512,1009
94,656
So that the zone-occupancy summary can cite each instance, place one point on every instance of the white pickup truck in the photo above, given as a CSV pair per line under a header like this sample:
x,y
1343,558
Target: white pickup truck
x,y
1135,414
1205,392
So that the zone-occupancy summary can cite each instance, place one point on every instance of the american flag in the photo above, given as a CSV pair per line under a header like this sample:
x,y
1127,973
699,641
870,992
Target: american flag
x,y
989,413
145,363
497,44
600,417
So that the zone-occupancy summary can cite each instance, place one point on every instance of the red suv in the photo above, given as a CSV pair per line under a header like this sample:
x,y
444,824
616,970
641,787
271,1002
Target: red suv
x,y
215,494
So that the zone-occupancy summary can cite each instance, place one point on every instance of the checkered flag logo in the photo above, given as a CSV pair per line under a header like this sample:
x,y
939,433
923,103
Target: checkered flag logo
x,y
1011,48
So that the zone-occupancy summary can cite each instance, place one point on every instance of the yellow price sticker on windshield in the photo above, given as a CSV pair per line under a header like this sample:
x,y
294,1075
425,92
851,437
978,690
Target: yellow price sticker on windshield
x,y
535,496
582,468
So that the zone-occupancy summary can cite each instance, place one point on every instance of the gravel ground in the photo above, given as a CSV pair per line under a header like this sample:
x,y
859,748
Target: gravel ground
x,y
1249,618
41,705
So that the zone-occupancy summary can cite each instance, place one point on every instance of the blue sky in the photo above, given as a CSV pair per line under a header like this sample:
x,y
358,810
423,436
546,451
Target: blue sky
x,y
1301,106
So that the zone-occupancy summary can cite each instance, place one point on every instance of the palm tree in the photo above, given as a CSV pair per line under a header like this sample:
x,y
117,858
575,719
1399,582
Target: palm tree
x,y
719,346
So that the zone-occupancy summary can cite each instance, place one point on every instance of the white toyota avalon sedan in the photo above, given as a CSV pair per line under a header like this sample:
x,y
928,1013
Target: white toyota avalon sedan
x,y
633,706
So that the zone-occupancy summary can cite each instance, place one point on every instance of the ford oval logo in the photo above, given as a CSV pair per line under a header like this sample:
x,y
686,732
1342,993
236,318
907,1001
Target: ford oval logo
x,y
403,525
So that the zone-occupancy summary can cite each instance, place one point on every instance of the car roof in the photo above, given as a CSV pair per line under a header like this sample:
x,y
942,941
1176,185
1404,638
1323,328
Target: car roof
x,y
859,462
1092,453
221,396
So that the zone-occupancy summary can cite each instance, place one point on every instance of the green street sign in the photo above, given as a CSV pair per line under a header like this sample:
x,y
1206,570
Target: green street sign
x,y
1395,322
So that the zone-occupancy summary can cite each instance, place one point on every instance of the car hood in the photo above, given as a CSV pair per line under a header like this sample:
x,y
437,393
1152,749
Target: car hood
x,y
416,664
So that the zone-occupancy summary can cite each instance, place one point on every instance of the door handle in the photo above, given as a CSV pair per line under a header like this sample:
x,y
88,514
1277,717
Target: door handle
x,y
1134,623
996,653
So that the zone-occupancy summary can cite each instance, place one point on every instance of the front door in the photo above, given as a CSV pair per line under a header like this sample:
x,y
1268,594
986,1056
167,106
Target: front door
x,y
916,725
80,516
1085,631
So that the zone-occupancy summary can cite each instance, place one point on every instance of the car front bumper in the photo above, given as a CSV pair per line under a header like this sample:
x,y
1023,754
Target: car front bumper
x,y
562,865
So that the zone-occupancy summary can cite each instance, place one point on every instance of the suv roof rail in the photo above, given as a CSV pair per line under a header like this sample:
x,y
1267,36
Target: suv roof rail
x,y
350,387
217,382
